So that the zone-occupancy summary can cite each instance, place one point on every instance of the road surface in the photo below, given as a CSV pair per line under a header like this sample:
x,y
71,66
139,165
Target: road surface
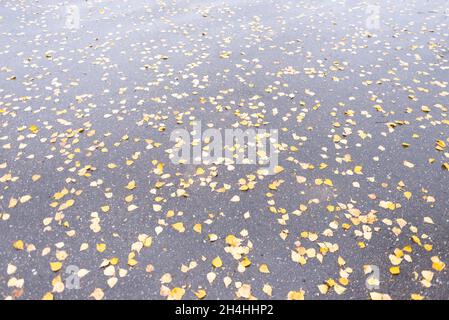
x,y
92,206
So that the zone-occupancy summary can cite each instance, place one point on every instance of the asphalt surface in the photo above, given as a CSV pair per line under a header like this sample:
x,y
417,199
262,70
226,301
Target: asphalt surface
x,y
92,207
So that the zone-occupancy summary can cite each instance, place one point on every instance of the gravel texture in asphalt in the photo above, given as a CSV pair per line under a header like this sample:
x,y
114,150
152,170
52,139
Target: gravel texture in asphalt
x,y
93,205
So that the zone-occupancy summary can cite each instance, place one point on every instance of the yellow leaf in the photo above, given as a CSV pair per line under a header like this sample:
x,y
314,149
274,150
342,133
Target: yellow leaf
x,y
301,179
324,288
132,262
278,169
197,228
97,294
232,240
438,265
148,242
343,281
170,213
264,268
379,296
199,171
296,295
339,289
179,226
55,266
246,262
217,263
408,164
18,245
131,185
395,270
330,282
425,109
24,199
66,204
12,202
200,294
244,291
416,240
101,247
159,168
440,145
34,129
212,237
267,289
48,296
60,195
176,294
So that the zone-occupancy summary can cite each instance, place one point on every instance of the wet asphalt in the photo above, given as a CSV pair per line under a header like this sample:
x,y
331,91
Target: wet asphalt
x,y
359,99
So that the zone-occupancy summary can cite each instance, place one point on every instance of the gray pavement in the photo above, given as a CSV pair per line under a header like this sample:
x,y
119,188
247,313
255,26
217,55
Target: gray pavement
x,y
91,206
